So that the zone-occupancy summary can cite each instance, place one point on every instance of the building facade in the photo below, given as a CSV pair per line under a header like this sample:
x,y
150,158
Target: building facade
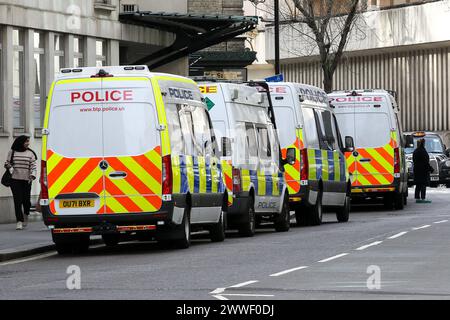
x,y
398,45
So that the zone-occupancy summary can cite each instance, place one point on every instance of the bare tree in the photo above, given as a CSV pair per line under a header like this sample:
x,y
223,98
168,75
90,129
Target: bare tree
x,y
323,27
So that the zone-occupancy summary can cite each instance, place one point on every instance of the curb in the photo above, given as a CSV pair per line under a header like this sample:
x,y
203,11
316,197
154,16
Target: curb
x,y
12,255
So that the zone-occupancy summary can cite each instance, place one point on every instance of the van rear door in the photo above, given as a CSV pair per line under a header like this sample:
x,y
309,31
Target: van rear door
x,y
74,148
131,146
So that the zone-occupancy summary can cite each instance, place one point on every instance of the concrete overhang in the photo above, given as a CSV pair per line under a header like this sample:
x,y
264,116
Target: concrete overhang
x,y
193,32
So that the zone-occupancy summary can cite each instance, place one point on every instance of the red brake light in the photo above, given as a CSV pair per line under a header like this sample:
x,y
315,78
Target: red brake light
x,y
166,175
236,180
304,167
44,180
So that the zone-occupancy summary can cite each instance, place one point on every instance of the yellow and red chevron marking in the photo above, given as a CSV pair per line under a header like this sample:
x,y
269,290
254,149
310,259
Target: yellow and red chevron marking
x,y
227,175
379,170
139,191
292,172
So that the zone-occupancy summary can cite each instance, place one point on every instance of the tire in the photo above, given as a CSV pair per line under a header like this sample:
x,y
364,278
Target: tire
x,y
388,202
283,221
111,240
301,215
82,246
399,201
185,232
217,232
247,229
343,214
405,198
315,213
447,185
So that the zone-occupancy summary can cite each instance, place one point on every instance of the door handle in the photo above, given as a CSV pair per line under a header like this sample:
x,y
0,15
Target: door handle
x,y
365,160
118,174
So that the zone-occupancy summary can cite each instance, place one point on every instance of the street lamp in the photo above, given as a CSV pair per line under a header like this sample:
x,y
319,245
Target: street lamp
x,y
277,31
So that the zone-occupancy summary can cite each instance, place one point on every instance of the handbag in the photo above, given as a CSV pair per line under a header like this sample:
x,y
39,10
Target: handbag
x,y
7,176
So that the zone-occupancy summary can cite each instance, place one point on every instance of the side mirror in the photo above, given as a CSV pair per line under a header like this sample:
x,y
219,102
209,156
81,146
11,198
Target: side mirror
x,y
409,141
226,147
290,156
349,144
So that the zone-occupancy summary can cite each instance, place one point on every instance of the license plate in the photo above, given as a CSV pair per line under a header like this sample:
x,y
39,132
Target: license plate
x,y
434,178
74,204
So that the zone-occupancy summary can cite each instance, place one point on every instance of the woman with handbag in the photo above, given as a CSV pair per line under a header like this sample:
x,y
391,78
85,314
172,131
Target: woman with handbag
x,y
21,163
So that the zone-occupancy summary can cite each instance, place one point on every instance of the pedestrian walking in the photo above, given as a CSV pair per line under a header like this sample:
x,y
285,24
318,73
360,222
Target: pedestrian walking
x,y
21,162
422,170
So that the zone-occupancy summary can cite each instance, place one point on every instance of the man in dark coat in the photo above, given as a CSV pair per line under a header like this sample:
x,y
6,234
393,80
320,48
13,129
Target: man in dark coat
x,y
422,170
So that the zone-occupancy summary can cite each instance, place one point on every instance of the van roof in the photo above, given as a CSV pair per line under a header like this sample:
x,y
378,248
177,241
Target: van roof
x,y
306,91
364,92
116,71
244,94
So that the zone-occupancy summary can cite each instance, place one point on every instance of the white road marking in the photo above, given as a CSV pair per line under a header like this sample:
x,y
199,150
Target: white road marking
x,y
422,227
248,295
220,297
243,284
287,271
442,221
41,256
334,257
369,245
395,236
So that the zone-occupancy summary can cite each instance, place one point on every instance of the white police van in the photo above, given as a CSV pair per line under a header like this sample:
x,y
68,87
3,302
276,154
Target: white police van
x,y
240,113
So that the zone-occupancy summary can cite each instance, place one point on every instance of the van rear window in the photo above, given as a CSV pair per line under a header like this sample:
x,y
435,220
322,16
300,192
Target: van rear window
x,y
92,131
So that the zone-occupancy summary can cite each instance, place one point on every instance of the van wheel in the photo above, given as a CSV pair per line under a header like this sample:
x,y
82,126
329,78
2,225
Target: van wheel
x,y
247,229
217,232
82,246
315,212
301,216
184,240
283,220
111,240
399,201
388,202
342,214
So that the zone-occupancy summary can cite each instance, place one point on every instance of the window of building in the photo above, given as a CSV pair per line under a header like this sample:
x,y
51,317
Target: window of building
x,y
100,51
18,82
78,52
39,80
59,52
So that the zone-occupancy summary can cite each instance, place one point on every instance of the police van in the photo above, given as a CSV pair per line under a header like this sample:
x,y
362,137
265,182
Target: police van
x,y
377,165
127,152
318,179
240,114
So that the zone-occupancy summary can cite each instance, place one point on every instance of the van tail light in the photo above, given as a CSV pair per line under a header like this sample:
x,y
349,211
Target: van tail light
x,y
236,180
167,175
304,167
44,180
396,160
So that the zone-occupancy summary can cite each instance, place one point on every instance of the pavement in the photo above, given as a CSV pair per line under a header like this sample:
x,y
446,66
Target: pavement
x,y
34,239
378,254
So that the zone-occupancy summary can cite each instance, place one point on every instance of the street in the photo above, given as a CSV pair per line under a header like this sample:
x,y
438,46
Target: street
x,y
408,251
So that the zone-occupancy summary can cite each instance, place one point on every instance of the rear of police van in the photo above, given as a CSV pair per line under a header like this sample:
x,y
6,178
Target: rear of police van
x,y
102,159
370,117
